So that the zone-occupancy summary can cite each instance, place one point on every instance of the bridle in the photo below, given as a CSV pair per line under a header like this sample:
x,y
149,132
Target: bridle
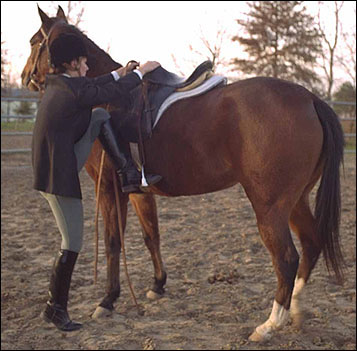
x,y
32,77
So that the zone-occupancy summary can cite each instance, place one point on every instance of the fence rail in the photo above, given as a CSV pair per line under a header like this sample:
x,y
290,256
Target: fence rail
x,y
8,116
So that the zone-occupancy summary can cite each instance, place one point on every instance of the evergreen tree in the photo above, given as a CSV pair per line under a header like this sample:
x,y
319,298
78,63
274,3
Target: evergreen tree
x,y
281,42
345,93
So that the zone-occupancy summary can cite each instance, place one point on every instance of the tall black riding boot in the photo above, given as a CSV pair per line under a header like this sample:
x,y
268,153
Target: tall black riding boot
x,y
129,176
56,309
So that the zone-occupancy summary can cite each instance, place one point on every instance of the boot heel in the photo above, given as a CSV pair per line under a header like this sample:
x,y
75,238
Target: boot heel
x,y
59,317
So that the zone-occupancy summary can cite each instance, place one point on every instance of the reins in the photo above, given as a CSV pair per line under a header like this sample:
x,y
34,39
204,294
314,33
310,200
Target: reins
x,y
97,215
121,232
120,225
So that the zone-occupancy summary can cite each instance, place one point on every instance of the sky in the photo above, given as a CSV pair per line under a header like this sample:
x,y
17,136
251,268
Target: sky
x,y
141,30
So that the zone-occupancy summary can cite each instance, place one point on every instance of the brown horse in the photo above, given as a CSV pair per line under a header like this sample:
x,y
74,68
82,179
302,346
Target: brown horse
x,y
273,137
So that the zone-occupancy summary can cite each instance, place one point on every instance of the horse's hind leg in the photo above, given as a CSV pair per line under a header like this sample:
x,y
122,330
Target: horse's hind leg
x,y
145,207
303,223
275,233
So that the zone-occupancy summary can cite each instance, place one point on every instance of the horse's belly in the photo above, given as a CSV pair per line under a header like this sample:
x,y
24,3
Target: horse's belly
x,y
186,170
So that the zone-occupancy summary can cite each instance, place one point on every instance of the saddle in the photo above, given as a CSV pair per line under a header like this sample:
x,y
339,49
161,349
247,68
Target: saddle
x,y
157,87
164,78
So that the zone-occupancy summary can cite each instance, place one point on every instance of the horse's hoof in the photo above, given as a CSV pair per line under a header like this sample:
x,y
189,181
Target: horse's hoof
x,y
256,337
152,295
101,312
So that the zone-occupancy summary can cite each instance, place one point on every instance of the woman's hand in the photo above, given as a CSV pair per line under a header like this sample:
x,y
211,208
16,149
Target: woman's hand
x,y
144,68
122,71
148,67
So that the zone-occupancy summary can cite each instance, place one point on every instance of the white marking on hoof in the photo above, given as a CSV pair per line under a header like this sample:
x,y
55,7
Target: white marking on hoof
x,y
101,312
277,319
152,295
256,337
298,320
295,311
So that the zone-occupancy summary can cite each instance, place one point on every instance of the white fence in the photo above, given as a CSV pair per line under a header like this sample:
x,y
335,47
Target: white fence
x,y
10,116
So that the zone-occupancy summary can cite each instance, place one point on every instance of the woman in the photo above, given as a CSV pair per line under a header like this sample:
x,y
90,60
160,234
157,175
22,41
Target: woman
x,y
64,132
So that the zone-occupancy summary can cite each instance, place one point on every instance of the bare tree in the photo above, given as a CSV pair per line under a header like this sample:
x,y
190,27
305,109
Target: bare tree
x,y
213,49
348,59
74,13
329,55
4,62
6,71
209,50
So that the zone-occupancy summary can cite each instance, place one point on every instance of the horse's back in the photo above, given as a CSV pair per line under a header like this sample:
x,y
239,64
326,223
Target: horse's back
x,y
252,128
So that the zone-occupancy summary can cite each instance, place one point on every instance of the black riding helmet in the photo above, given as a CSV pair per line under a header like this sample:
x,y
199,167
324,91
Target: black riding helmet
x,y
66,48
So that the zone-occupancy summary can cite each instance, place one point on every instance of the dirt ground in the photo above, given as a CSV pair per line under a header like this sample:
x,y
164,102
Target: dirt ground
x,y
220,278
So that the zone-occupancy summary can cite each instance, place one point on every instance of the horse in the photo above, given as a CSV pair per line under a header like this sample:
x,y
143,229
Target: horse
x,y
273,137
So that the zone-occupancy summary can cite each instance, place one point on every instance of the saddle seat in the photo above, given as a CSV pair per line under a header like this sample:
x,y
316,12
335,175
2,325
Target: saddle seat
x,y
164,78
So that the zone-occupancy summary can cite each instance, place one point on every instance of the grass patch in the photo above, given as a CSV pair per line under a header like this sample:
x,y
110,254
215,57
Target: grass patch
x,y
350,144
17,126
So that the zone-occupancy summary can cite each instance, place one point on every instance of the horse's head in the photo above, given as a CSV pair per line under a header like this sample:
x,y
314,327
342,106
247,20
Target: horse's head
x,y
37,66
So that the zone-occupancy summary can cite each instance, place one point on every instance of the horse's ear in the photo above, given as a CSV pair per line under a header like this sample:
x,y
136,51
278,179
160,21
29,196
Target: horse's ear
x,y
46,21
60,14
44,17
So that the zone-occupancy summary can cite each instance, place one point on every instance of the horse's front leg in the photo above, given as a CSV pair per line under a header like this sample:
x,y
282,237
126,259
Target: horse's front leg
x,y
145,207
112,245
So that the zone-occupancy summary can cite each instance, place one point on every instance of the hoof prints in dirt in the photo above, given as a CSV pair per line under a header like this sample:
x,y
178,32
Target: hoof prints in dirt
x,y
220,284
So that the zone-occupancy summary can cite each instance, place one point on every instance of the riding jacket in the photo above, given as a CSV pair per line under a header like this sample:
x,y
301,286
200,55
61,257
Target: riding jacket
x,y
63,117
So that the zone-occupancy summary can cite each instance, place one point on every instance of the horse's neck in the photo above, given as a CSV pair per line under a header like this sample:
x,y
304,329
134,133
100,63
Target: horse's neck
x,y
103,63
103,68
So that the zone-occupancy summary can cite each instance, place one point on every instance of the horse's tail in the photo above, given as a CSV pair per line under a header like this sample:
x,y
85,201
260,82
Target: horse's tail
x,y
328,199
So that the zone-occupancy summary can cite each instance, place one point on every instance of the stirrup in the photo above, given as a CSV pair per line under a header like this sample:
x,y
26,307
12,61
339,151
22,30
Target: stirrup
x,y
151,179
132,183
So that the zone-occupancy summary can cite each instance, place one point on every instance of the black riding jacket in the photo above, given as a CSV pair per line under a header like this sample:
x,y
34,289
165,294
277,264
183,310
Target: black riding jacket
x,y
63,117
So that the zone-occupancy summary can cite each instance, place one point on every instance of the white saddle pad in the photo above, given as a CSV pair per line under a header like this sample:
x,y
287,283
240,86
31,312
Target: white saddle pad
x,y
203,88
